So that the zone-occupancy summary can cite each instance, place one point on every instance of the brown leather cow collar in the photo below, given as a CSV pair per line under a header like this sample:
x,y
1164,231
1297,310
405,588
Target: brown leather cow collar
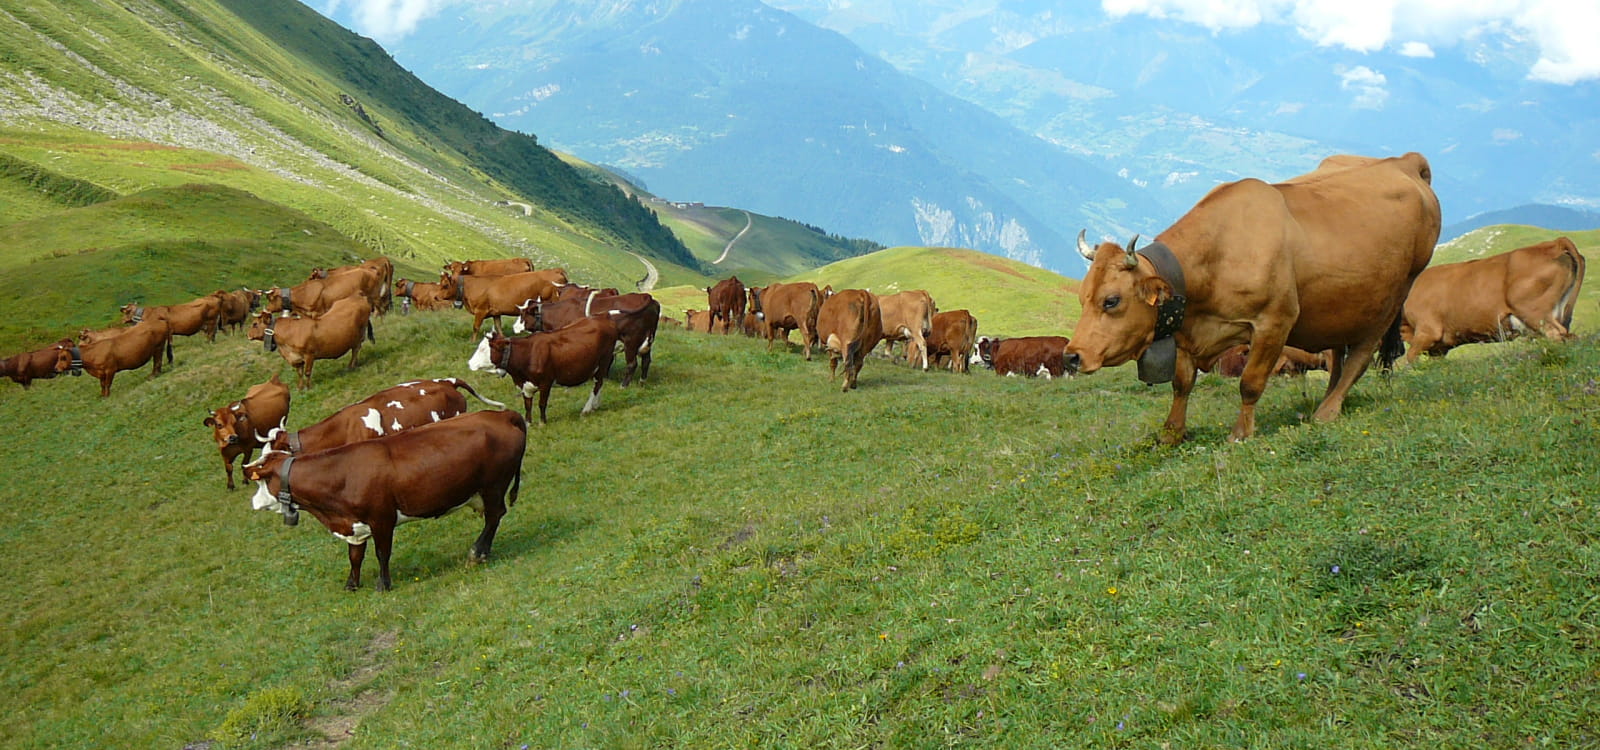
x,y
504,361
138,314
76,367
291,513
1159,362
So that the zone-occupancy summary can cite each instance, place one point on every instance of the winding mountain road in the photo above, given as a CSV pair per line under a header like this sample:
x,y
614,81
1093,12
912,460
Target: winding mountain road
x,y
747,224
651,275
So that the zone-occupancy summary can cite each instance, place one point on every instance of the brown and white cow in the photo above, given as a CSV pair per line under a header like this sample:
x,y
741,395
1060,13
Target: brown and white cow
x,y
422,295
495,267
1028,356
536,362
365,489
849,325
234,308
192,317
578,291
1321,261
1530,289
908,317
303,341
386,412
954,335
636,315
494,296
784,307
141,343
240,427
316,296
726,300
39,364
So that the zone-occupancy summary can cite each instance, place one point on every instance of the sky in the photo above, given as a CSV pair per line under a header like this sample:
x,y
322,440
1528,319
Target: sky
x,y
1565,33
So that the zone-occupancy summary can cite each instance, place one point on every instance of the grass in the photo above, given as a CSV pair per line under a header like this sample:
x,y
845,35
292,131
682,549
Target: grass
x,y
736,554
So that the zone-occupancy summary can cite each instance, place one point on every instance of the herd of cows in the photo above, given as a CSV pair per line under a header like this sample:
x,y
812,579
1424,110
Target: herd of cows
x,y
1326,270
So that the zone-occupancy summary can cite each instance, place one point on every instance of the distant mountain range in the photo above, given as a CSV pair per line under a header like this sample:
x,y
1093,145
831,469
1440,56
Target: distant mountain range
x,y
1554,218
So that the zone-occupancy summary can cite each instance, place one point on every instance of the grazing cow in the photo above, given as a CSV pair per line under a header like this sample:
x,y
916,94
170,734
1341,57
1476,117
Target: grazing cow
x,y
242,426
386,412
1292,362
192,317
494,296
908,317
1028,356
381,266
363,490
849,325
726,301
128,350
1491,299
316,296
699,321
567,357
496,267
785,307
637,315
952,334
39,364
1322,261
579,291
234,308
91,335
423,295
303,341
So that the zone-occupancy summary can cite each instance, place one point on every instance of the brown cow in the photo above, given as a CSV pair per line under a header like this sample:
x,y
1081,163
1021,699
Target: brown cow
x,y
39,364
785,307
423,295
496,267
388,411
953,334
494,296
1292,362
303,341
636,315
1492,299
849,325
908,316
234,308
363,490
129,350
699,321
726,301
1322,261
195,316
567,357
242,426
1028,356
316,296
382,296
579,291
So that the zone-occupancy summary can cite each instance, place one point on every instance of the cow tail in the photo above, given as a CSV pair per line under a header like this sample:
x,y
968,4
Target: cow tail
x,y
1393,347
1570,294
516,481
462,384
369,332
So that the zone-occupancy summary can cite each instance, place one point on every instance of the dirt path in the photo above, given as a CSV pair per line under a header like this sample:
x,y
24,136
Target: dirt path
x,y
747,224
651,275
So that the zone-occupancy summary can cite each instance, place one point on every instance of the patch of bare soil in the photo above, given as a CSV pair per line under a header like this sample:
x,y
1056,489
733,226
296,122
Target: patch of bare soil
x,y
359,701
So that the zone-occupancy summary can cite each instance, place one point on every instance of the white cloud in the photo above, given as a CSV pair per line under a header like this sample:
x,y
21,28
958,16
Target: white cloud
x,y
1368,87
1563,30
387,20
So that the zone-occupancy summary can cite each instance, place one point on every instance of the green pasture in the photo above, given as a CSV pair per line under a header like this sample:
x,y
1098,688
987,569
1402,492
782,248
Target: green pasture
x,y
736,554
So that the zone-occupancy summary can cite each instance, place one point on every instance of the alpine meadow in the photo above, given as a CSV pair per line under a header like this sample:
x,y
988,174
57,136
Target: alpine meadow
x,y
730,552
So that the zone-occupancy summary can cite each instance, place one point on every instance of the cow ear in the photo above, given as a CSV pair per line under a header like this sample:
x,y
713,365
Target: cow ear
x,y
1154,291
211,422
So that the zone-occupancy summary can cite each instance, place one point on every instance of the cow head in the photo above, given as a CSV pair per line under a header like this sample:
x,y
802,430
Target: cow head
x,y
490,352
1119,297
259,325
69,359
132,313
270,493
755,303
230,426
530,316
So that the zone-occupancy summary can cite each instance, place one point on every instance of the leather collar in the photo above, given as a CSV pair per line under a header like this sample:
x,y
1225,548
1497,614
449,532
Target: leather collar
x,y
1159,363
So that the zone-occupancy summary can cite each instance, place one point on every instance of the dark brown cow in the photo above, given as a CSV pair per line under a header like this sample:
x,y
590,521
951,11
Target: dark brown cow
x,y
303,341
192,317
726,301
494,296
1028,356
242,426
698,321
383,296
129,350
849,325
567,357
234,308
363,490
1321,261
39,364
495,267
386,412
1292,362
1530,289
579,291
953,334
908,317
785,307
423,295
636,315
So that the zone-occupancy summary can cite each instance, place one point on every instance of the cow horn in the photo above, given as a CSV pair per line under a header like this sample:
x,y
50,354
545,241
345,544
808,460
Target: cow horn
x,y
1133,258
1083,245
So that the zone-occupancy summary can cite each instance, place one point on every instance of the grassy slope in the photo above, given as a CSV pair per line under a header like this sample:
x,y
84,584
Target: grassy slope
x,y
864,568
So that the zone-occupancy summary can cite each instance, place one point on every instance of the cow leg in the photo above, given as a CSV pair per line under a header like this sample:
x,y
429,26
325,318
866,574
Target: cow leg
x,y
527,409
305,372
227,466
544,398
494,508
382,542
477,323
602,369
1258,369
644,359
1182,383
105,384
1344,373
808,337
354,351
358,552
630,362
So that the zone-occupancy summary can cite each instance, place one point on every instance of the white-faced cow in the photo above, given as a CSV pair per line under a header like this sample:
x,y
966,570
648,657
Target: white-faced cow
x,y
568,357
636,315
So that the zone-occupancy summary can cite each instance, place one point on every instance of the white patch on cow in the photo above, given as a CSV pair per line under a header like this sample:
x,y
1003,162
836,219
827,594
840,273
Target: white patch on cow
x,y
518,327
1044,372
645,347
593,402
412,383
397,404
1011,374
373,420
482,360
530,390
359,533
396,427
975,359
263,499
435,415
422,391
1517,324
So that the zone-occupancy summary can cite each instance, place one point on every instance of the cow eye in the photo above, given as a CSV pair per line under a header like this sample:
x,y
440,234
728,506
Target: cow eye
x,y
1111,302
